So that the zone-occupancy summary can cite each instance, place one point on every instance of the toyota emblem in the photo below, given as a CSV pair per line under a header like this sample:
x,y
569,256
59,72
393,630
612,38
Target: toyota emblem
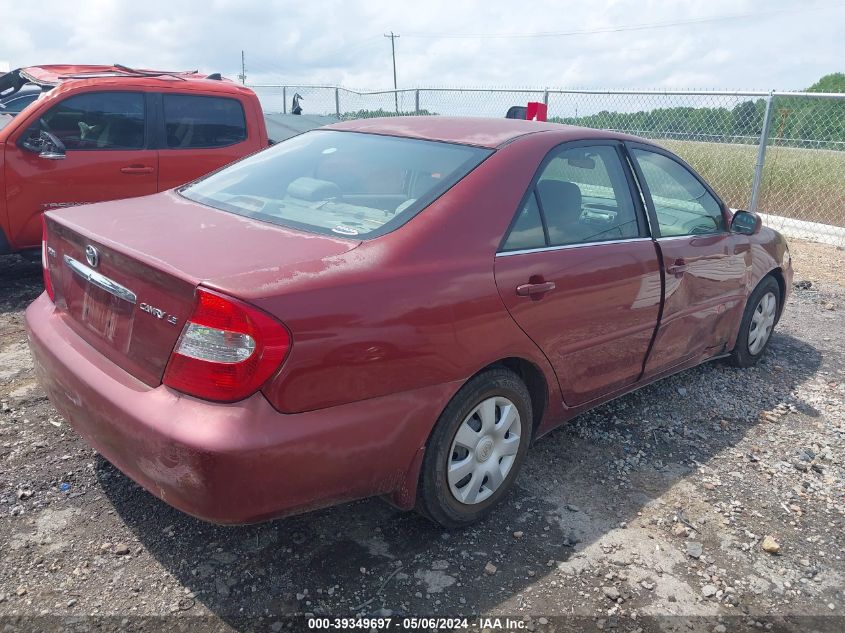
x,y
92,256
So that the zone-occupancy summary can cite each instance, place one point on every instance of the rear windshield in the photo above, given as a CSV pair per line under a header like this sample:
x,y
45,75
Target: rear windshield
x,y
341,183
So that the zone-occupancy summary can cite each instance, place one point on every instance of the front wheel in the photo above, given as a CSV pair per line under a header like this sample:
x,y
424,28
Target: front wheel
x,y
476,449
758,321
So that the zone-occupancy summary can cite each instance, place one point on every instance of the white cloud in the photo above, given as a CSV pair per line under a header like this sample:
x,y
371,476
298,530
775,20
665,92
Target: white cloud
x,y
342,42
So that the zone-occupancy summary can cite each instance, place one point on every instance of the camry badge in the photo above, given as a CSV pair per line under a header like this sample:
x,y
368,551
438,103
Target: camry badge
x,y
92,256
158,313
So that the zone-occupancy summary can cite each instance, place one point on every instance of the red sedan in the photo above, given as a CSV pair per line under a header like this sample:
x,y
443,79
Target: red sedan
x,y
392,307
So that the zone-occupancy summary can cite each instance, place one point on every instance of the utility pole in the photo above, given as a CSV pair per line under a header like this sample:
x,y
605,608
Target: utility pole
x,y
242,76
393,37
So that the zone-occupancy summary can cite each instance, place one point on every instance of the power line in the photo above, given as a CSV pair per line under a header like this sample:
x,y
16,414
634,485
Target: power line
x,y
617,29
351,47
263,65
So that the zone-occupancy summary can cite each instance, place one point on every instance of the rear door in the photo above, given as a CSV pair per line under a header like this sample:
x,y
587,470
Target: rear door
x,y
106,157
705,265
578,272
199,134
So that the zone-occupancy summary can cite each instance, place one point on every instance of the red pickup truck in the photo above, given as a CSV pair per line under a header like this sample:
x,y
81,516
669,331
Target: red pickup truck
x,y
99,133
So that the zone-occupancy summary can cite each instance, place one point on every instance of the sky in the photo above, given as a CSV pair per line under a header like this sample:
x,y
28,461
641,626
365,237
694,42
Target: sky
x,y
720,44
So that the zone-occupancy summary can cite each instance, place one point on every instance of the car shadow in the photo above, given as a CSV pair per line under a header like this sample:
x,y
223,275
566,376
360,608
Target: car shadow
x,y
580,483
20,282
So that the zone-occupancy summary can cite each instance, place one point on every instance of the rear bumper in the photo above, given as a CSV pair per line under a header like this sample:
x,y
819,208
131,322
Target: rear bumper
x,y
231,463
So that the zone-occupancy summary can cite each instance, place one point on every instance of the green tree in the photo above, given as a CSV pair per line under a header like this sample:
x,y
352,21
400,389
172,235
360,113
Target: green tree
x,y
796,121
834,82
805,121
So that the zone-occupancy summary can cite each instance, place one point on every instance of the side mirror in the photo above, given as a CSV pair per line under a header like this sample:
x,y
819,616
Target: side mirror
x,y
45,144
746,223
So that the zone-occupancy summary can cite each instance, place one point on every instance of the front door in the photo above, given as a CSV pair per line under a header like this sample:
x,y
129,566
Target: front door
x,y
104,134
705,265
578,273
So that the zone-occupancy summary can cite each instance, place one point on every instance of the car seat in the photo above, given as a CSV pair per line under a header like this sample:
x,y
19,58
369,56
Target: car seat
x,y
561,202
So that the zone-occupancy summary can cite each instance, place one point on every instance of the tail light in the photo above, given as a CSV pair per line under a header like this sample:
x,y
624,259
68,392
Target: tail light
x,y
227,349
45,263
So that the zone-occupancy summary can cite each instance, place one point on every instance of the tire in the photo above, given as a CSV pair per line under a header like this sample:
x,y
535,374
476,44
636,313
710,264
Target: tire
x,y
468,498
765,301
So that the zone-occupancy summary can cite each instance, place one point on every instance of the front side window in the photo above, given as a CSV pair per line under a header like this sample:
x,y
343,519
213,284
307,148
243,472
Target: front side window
x,y
98,121
196,122
682,204
343,183
583,197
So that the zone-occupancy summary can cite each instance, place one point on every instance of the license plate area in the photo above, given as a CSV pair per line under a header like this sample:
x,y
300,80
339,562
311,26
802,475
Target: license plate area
x,y
103,313
100,305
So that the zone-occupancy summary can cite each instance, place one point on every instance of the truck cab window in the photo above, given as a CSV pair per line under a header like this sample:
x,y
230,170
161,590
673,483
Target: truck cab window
x,y
98,121
195,122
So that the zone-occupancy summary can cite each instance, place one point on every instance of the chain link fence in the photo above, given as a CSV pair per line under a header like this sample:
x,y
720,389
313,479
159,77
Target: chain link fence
x,y
779,153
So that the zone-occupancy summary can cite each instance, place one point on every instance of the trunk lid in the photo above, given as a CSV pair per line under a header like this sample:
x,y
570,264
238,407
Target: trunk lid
x,y
125,272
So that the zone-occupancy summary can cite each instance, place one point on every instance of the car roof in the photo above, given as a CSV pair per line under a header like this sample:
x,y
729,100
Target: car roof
x,y
479,131
116,75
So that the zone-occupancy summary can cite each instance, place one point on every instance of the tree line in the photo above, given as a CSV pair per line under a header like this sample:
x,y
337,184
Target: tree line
x,y
796,121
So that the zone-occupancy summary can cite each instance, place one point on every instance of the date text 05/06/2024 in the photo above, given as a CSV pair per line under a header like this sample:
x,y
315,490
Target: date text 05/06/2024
x,y
417,623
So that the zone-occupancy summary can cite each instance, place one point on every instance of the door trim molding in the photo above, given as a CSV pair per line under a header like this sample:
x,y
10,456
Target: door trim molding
x,y
544,249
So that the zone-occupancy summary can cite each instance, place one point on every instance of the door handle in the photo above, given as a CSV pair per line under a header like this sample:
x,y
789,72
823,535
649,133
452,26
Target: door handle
x,y
678,268
534,289
136,169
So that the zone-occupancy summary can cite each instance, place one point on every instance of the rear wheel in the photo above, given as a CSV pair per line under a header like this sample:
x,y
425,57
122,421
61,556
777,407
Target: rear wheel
x,y
476,449
758,321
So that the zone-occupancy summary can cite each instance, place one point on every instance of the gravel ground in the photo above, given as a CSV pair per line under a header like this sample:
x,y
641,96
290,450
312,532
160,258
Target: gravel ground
x,y
717,495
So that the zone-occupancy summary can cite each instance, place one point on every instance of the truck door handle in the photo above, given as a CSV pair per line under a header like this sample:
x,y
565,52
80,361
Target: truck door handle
x,y
136,169
534,289
678,268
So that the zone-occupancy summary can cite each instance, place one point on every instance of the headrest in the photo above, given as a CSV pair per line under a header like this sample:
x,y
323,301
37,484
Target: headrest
x,y
560,199
313,189
405,205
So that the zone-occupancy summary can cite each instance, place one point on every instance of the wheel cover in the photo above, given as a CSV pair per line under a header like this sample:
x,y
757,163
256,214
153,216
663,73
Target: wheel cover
x,y
762,322
483,450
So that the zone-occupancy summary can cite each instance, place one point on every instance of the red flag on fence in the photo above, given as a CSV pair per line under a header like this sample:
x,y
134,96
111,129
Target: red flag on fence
x,y
536,111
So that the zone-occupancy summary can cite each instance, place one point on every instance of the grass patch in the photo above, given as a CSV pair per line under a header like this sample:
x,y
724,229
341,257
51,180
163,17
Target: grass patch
x,y
805,184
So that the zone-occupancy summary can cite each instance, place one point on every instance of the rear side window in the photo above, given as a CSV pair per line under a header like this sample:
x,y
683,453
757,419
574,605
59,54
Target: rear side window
x,y
195,122
585,197
343,183
581,196
98,121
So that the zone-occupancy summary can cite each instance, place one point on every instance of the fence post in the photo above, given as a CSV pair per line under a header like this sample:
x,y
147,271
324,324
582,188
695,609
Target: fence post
x,y
284,100
546,97
337,101
417,102
761,155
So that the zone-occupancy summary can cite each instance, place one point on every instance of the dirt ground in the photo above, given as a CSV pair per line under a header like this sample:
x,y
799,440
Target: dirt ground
x,y
650,513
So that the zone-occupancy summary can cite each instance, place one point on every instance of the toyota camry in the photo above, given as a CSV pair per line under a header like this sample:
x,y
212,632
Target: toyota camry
x,y
390,307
